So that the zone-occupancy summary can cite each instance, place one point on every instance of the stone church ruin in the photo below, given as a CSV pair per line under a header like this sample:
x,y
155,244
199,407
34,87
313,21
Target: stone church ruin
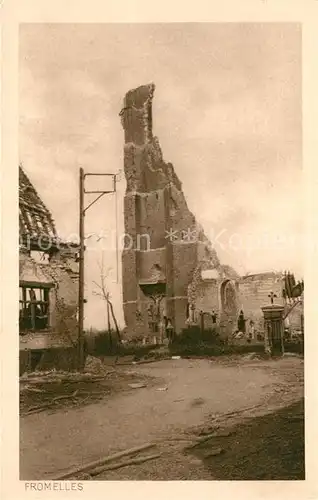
x,y
171,269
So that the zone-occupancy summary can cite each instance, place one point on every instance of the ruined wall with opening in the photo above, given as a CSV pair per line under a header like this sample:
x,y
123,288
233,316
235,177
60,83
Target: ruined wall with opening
x,y
60,275
248,293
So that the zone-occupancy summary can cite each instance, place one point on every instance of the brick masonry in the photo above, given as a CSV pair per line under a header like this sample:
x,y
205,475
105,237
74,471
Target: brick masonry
x,y
155,206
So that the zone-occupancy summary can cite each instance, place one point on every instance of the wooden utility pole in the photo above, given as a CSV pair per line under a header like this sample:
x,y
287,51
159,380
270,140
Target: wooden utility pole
x,y
82,212
81,273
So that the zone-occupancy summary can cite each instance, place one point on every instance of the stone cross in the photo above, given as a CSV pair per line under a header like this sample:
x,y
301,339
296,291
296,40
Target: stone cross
x,y
272,296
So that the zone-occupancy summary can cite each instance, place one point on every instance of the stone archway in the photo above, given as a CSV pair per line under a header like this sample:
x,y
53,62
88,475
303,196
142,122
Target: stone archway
x,y
229,307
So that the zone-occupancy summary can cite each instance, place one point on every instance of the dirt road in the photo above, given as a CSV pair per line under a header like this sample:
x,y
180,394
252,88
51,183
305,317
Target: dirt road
x,y
195,393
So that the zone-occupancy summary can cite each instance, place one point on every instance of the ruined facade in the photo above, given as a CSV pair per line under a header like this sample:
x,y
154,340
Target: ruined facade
x,y
241,293
168,250
169,266
48,286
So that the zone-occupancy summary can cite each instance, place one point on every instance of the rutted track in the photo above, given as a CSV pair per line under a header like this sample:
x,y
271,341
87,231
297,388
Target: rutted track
x,y
198,393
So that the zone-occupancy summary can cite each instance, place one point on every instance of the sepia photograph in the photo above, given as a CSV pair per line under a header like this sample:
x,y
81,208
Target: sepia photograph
x,y
161,239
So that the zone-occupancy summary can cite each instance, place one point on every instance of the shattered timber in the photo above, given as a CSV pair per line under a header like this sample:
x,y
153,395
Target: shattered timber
x,y
179,301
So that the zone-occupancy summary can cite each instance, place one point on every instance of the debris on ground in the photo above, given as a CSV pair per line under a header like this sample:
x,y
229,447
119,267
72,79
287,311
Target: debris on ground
x,y
213,452
84,476
158,354
162,388
197,402
207,437
55,376
195,461
95,468
66,396
51,390
221,434
49,404
291,355
94,365
133,461
251,355
205,431
138,385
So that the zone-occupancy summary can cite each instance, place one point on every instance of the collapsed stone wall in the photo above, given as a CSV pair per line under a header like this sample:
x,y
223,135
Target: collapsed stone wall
x,y
154,205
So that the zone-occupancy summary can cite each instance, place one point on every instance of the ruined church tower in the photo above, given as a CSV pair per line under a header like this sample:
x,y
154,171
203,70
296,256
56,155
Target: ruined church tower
x,y
165,245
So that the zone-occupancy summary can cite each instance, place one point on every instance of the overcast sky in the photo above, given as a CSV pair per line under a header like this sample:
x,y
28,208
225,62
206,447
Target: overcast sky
x,y
226,110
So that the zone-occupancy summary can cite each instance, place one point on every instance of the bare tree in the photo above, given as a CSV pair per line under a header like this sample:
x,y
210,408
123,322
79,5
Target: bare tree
x,y
103,292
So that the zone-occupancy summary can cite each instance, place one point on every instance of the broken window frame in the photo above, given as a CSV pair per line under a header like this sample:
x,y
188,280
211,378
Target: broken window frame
x,y
29,320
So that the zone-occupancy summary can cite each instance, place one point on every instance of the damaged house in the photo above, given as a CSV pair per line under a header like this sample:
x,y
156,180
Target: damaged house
x,y
48,275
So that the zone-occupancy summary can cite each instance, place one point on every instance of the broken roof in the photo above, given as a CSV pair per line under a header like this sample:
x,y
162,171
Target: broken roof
x,y
35,220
